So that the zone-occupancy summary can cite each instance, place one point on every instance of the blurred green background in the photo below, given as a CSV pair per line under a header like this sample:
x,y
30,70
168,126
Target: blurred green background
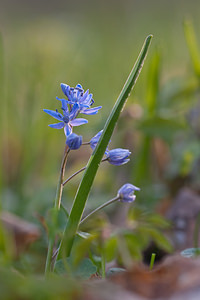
x,y
95,43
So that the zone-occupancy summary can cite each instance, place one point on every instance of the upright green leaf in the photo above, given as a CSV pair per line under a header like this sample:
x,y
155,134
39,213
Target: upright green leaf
x,y
153,78
93,164
141,166
192,46
3,103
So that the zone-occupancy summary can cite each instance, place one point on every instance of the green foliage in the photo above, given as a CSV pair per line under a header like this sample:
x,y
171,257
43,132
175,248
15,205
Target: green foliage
x,y
160,127
15,286
84,270
150,227
127,243
192,46
110,248
152,89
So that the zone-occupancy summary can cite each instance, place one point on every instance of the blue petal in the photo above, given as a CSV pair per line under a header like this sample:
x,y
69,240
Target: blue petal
x,y
64,88
119,163
126,192
88,100
67,101
84,96
79,86
74,111
54,114
91,111
64,103
67,130
57,125
78,121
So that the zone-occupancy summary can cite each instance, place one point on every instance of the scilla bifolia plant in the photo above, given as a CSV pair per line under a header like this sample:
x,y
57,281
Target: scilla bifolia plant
x,y
77,102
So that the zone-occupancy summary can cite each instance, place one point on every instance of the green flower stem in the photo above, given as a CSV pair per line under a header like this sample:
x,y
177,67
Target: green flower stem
x,y
96,157
78,172
153,256
73,175
99,208
61,179
57,205
49,256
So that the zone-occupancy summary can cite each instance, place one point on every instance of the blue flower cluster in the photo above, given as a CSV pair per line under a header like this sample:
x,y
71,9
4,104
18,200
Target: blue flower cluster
x,y
77,102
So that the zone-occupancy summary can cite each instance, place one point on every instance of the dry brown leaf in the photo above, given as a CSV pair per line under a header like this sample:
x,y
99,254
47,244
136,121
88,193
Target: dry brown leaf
x,y
20,231
174,277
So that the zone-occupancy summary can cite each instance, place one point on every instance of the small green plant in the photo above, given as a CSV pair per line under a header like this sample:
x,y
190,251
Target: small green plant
x,y
78,102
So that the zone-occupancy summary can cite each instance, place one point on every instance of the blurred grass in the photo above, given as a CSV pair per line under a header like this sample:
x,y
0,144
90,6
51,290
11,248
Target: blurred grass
x,y
93,43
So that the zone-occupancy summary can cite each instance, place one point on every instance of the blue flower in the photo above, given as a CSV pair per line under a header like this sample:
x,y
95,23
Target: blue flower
x,y
118,156
67,120
95,139
82,100
74,141
126,192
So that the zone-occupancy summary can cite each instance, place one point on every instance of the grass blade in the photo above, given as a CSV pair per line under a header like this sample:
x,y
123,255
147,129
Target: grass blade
x,y
192,46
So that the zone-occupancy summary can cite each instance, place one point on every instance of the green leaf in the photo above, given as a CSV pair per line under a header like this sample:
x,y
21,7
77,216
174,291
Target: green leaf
x,y
158,221
176,91
192,46
2,90
157,237
81,247
142,163
84,270
110,248
160,127
190,252
94,161
153,83
135,245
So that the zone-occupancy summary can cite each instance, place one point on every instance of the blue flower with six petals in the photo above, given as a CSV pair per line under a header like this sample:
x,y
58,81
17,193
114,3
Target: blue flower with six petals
x,y
80,99
67,120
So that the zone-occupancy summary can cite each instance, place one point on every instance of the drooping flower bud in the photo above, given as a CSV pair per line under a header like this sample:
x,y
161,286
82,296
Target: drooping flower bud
x,y
74,141
118,156
126,192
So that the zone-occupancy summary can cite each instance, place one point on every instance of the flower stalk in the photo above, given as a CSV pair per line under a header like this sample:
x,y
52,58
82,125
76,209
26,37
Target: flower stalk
x,y
57,205
99,208
78,172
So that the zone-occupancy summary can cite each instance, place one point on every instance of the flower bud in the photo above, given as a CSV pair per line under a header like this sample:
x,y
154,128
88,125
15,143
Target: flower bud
x,y
74,141
95,139
118,156
126,192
